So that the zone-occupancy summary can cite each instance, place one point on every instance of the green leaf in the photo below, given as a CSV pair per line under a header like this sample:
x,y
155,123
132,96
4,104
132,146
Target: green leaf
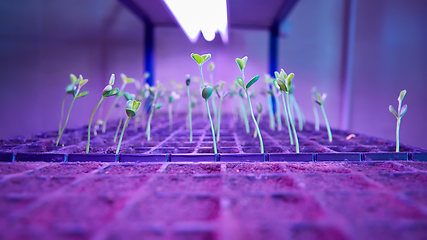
x,y
158,105
82,94
277,74
136,105
207,92
73,78
129,96
197,58
129,80
242,62
283,74
131,113
401,95
113,92
82,83
252,81
403,110
112,78
241,82
282,85
106,90
211,66
391,109
276,85
71,88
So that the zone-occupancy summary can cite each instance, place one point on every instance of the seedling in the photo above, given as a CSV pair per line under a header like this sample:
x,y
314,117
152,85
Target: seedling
x,y
285,108
200,60
125,80
172,97
154,93
141,96
206,93
295,107
187,83
128,97
132,107
258,119
284,82
241,80
74,88
399,114
320,100
315,112
108,91
243,113
221,95
68,90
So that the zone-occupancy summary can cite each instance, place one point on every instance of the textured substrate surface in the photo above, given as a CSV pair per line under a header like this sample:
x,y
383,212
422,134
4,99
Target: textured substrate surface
x,y
323,200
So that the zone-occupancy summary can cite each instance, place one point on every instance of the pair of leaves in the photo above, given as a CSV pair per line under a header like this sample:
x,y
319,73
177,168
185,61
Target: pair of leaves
x,y
125,79
110,91
250,83
132,107
283,82
82,94
200,60
321,98
173,96
242,62
219,91
403,109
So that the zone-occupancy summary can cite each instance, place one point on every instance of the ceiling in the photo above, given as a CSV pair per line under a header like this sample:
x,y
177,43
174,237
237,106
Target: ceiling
x,y
241,13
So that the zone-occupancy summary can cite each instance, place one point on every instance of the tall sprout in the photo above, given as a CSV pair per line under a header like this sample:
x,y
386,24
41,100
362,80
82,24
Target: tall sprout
x,y
399,114
321,100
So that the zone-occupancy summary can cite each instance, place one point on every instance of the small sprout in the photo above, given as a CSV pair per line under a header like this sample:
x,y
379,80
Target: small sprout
x,y
128,97
206,93
77,85
108,91
200,60
242,64
132,107
316,114
155,93
187,82
320,100
173,96
259,108
283,82
399,114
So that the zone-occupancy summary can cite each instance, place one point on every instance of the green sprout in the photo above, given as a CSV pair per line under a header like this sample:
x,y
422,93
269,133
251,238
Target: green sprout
x,y
132,107
108,91
241,80
125,80
276,86
243,113
206,93
284,82
200,60
221,95
187,83
74,88
128,97
68,90
173,96
154,93
315,112
320,100
295,107
399,114
258,119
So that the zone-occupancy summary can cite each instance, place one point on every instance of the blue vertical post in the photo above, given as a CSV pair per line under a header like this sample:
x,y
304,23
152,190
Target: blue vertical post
x,y
149,52
273,56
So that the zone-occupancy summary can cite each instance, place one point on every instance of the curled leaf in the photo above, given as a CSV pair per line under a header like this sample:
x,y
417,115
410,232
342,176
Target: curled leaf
x,y
207,92
277,74
282,85
71,88
283,74
113,92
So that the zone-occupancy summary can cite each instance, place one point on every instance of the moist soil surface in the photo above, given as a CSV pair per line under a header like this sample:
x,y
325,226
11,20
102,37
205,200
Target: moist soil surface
x,y
323,200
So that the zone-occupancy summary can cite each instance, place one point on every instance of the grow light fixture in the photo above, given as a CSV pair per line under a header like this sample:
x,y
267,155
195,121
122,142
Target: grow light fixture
x,y
206,16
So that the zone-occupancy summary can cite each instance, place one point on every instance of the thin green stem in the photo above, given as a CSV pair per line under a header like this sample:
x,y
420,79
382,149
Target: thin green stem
x,y
298,113
104,126
121,135
219,120
147,131
212,127
118,128
201,75
292,123
244,114
90,124
66,121
270,112
62,113
258,119
278,115
316,117
397,134
189,113
327,123
287,118
255,122
170,117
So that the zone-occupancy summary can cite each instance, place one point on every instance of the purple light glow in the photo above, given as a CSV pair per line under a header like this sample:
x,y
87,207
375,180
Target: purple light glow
x,y
206,16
